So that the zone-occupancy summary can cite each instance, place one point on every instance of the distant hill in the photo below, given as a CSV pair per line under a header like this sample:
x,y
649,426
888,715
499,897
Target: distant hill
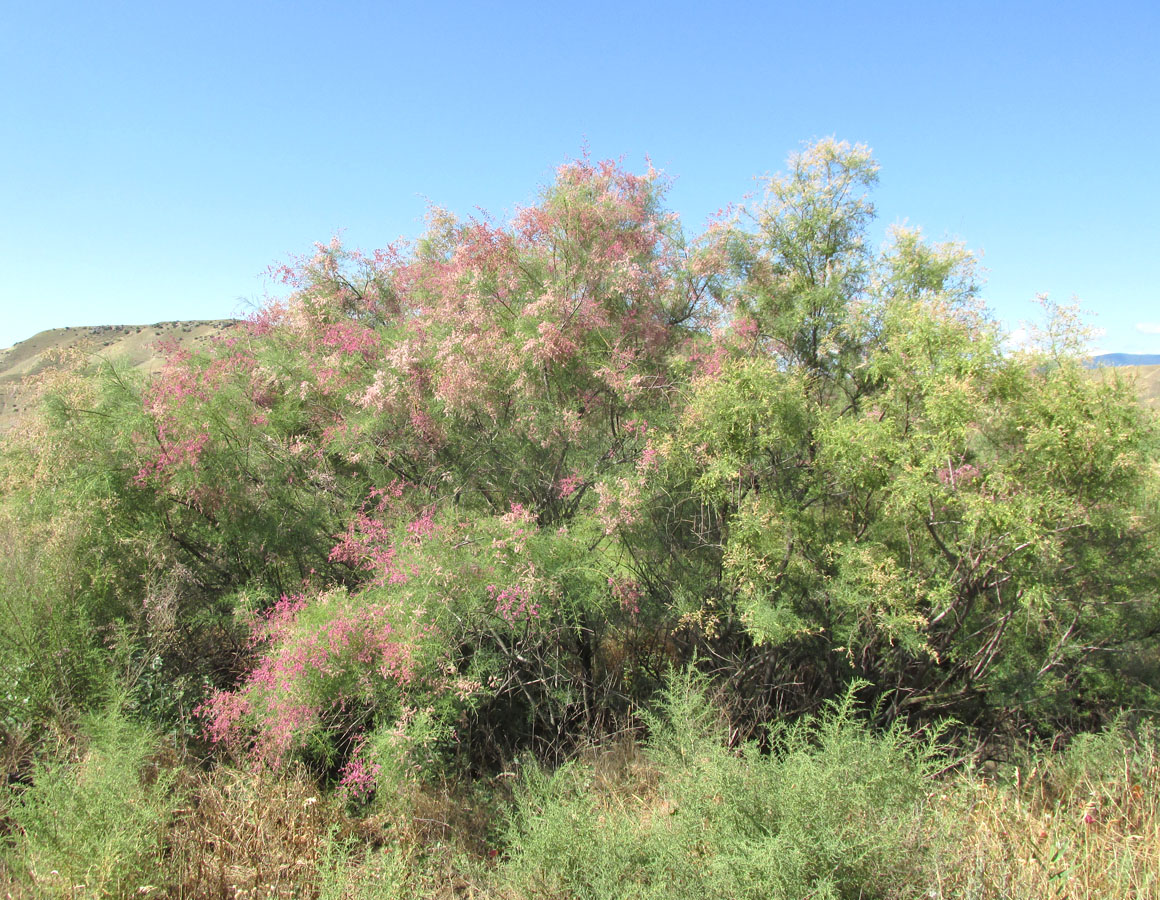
x,y
135,343
1126,359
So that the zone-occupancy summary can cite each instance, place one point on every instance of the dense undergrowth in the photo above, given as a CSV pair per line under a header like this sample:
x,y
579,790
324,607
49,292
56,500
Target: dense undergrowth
x,y
572,557
829,808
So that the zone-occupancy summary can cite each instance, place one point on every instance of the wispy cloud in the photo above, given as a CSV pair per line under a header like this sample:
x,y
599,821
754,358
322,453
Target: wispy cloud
x,y
1019,338
1148,327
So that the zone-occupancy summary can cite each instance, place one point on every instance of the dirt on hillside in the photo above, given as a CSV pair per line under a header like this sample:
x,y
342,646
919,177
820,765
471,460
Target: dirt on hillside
x,y
135,344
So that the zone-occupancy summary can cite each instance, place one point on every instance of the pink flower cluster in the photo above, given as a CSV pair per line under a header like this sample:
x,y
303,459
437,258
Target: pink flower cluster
x,y
352,339
513,603
626,592
173,452
954,476
305,672
369,542
567,486
275,624
708,363
359,776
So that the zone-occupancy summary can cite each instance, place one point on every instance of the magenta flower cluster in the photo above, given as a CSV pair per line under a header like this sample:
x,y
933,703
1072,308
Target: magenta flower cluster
x,y
349,652
514,603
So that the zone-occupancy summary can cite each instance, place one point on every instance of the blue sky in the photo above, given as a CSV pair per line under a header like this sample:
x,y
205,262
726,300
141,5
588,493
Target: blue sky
x,y
155,158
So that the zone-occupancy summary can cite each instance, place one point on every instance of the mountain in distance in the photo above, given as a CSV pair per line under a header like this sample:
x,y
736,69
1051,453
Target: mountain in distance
x,y
1126,359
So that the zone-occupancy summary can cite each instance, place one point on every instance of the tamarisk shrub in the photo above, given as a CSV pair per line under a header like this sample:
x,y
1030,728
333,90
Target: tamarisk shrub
x,y
885,493
508,474
79,544
458,432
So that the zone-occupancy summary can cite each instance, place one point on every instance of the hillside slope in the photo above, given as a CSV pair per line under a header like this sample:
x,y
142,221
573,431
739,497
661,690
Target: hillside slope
x,y
1148,379
138,344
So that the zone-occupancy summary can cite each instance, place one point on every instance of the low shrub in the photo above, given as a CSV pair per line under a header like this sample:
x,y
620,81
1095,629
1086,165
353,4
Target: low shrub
x,y
93,821
831,810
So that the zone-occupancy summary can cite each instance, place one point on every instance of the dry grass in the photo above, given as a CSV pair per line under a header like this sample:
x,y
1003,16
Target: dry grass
x,y
250,834
1056,833
259,835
